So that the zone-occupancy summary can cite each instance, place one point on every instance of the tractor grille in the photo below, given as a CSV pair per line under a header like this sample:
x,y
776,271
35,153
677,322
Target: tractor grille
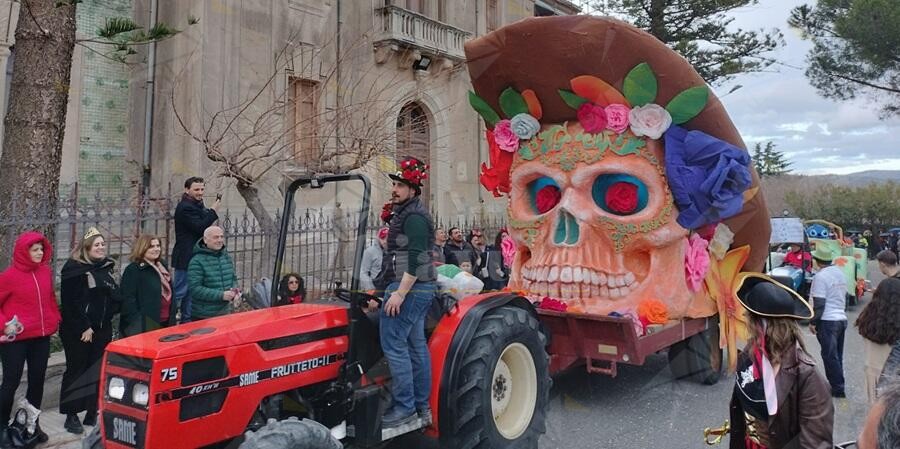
x,y
124,430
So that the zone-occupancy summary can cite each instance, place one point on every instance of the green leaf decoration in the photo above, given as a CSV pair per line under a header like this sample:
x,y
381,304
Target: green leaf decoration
x,y
483,109
687,104
525,153
574,101
640,86
512,103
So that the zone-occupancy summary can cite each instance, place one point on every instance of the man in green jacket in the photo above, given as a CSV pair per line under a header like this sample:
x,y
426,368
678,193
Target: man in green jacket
x,y
211,276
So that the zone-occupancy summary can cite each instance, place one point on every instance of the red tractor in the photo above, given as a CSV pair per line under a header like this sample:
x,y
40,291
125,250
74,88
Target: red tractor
x,y
313,376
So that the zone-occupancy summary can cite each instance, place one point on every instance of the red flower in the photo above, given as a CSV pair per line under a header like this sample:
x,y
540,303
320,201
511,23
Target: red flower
x,y
387,212
549,303
707,232
496,177
547,198
622,197
592,117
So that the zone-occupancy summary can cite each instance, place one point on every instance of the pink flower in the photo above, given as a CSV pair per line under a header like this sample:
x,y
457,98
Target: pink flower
x,y
592,117
505,137
650,120
508,249
696,262
617,117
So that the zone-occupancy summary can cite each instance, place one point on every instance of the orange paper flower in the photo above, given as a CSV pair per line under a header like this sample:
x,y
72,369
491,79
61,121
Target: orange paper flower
x,y
653,311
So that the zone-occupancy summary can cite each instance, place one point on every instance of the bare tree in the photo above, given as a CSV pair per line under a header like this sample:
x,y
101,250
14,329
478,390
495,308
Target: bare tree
x,y
350,127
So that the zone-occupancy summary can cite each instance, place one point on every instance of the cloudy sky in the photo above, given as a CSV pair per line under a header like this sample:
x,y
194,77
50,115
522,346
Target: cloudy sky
x,y
818,135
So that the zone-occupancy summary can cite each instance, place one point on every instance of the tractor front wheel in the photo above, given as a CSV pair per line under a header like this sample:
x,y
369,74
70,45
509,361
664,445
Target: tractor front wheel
x,y
291,432
501,392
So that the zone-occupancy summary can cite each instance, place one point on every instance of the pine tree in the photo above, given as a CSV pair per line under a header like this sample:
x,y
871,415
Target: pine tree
x,y
768,161
699,31
854,50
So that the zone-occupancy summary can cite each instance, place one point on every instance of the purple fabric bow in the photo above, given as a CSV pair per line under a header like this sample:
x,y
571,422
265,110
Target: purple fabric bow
x,y
707,176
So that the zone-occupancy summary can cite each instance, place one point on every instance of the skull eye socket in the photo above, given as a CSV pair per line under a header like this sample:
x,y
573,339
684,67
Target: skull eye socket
x,y
620,194
544,194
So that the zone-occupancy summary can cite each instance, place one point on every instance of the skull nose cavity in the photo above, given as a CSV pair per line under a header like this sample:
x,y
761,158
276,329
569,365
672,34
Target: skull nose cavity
x,y
567,230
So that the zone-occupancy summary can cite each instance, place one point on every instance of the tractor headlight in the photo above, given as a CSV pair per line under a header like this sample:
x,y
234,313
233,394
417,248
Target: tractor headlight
x,y
140,394
116,388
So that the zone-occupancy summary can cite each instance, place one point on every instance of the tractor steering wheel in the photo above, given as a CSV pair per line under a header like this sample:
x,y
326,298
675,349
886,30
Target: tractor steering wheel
x,y
362,298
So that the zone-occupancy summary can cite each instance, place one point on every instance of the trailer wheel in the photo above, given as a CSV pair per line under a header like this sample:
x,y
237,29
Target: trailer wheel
x,y
699,357
503,386
291,432
93,439
679,363
707,355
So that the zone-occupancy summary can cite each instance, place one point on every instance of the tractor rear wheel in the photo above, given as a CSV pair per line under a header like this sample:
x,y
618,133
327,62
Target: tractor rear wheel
x,y
291,432
502,389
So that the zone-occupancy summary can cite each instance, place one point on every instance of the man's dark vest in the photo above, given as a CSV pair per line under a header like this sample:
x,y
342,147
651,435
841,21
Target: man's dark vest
x,y
396,256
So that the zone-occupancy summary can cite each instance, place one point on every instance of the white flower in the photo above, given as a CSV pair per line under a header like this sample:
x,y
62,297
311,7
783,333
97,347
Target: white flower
x,y
650,120
721,241
524,125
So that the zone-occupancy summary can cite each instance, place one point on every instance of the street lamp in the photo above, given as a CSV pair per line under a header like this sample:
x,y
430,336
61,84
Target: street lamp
x,y
786,213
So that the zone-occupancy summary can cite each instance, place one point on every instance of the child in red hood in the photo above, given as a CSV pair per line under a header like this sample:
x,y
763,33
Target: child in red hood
x,y
26,293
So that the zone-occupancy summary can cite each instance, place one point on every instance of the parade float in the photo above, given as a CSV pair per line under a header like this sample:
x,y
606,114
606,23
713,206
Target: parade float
x,y
631,196
852,261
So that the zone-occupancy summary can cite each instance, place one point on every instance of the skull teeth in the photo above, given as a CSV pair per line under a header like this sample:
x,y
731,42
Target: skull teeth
x,y
567,282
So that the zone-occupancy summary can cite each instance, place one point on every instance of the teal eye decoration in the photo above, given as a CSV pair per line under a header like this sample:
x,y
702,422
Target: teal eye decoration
x,y
544,194
620,194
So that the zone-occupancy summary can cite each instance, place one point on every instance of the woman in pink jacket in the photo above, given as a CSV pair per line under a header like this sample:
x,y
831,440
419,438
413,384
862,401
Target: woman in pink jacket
x,y
29,316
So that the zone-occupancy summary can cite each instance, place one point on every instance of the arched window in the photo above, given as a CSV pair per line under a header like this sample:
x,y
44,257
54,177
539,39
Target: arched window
x,y
414,138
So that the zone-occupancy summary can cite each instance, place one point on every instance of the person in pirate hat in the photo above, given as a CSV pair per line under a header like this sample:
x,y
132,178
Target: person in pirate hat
x,y
829,292
780,400
407,278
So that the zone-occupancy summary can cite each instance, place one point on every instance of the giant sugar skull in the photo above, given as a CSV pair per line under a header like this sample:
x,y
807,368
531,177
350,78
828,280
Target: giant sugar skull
x,y
616,158
594,222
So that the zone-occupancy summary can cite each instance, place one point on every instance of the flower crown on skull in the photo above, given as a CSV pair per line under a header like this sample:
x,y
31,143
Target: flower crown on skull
x,y
707,176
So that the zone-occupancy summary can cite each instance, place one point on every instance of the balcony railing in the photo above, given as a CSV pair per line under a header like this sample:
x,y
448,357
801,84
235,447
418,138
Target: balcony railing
x,y
412,29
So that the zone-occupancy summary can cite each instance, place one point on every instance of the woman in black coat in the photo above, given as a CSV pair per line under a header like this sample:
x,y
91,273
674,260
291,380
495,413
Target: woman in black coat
x,y
89,301
146,290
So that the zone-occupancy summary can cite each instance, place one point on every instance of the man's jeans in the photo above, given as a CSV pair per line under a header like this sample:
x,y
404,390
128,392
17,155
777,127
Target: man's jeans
x,y
404,345
182,294
831,338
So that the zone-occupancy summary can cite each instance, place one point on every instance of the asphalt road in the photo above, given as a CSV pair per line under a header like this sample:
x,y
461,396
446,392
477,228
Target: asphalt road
x,y
644,408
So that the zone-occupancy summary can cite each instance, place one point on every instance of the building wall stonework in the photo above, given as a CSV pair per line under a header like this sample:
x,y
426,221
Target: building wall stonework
x,y
213,68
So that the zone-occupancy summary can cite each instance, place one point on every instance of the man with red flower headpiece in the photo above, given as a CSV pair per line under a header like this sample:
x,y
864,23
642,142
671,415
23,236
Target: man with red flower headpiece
x,y
408,279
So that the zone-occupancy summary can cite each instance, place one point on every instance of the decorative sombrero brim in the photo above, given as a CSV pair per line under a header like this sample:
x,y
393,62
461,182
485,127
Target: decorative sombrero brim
x,y
761,295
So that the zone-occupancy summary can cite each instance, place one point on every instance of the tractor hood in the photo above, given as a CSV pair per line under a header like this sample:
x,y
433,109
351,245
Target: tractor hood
x,y
258,326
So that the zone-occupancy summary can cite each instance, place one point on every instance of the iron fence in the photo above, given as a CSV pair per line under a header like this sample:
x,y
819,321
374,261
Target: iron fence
x,y
320,242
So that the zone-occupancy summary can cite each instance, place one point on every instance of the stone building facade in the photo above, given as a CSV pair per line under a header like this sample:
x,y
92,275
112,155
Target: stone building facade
x,y
310,78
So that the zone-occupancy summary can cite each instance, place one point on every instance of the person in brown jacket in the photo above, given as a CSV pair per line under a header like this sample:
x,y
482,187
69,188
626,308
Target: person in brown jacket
x,y
780,400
